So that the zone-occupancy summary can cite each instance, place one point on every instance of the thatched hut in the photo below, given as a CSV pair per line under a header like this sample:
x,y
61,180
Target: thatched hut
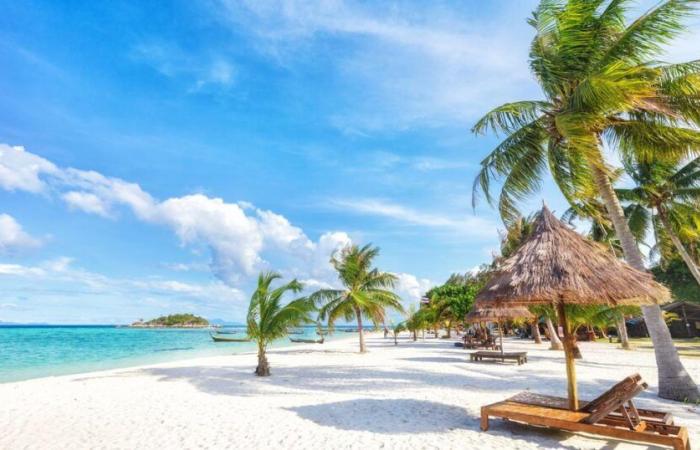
x,y
498,315
556,266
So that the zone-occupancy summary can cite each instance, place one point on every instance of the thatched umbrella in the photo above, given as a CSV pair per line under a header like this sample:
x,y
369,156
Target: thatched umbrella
x,y
556,266
482,314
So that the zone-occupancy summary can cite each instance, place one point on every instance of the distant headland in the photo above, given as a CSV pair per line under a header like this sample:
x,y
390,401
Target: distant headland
x,y
173,321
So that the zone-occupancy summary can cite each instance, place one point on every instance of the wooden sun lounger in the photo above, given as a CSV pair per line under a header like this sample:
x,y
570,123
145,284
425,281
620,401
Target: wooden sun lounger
x,y
519,357
613,414
476,345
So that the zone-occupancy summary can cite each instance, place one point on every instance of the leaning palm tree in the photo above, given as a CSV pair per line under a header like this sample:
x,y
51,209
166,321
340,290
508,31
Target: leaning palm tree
x,y
365,293
600,83
666,197
268,319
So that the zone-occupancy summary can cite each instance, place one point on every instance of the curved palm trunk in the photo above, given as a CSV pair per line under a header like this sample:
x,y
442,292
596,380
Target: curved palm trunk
x,y
603,333
674,381
536,331
555,342
687,259
360,331
263,369
622,333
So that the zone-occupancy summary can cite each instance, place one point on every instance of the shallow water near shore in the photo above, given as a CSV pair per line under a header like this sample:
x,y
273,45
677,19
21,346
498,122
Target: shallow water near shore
x,y
38,351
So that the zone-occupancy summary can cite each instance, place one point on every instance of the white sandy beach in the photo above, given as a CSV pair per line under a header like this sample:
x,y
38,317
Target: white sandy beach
x,y
417,395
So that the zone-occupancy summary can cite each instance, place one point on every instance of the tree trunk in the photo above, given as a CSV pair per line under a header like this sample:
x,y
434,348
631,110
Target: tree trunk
x,y
396,341
674,381
360,331
555,342
415,335
263,369
569,355
536,331
622,333
449,330
687,259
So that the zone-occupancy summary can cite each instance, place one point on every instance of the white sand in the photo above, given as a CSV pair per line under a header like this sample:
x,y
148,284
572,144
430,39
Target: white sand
x,y
416,395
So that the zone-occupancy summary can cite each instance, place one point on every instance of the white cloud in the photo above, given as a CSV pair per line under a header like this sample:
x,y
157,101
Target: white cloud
x,y
21,170
241,239
20,270
13,237
86,202
239,236
62,270
200,69
414,66
412,288
466,225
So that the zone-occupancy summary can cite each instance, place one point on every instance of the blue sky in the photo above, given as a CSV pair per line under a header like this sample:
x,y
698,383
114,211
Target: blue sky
x,y
154,160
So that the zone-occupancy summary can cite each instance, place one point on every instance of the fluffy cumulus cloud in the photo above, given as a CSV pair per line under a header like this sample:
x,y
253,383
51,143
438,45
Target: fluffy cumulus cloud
x,y
21,170
13,237
239,236
412,288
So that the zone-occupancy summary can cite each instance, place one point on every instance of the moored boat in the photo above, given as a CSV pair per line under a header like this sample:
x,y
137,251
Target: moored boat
x,y
216,338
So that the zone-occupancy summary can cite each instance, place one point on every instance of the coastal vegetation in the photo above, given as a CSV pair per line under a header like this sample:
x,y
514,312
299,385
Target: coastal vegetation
x,y
450,302
269,319
173,321
602,85
366,291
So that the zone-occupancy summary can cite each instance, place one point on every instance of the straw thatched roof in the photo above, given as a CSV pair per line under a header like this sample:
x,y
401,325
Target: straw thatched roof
x,y
557,264
478,314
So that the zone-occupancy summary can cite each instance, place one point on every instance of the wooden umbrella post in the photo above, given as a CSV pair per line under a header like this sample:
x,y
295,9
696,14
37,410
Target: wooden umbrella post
x,y
500,333
569,355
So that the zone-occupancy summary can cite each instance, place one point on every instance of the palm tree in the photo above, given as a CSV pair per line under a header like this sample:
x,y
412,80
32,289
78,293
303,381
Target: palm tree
x,y
516,232
396,329
268,319
415,321
600,83
666,196
366,290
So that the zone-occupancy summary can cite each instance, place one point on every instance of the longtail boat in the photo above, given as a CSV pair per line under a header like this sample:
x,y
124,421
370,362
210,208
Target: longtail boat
x,y
216,338
307,341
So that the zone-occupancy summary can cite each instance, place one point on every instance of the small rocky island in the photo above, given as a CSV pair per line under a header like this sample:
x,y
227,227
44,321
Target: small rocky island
x,y
173,321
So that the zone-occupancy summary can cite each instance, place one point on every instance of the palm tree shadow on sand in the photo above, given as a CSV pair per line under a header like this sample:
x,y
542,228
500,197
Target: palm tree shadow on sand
x,y
389,416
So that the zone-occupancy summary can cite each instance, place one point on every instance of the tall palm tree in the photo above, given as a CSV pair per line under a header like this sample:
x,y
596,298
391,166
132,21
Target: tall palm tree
x,y
666,194
268,319
600,83
365,293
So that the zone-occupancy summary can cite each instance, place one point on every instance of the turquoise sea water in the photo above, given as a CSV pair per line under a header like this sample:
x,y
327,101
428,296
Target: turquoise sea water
x,y
39,351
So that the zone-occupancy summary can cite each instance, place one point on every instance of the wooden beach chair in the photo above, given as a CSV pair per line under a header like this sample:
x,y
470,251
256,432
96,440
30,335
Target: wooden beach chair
x,y
519,357
612,414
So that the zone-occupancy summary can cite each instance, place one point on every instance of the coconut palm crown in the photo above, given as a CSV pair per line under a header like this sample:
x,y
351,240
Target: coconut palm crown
x,y
666,198
601,83
366,291
268,318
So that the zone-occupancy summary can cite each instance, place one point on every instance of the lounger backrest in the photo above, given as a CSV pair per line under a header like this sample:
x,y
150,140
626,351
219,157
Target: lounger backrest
x,y
615,397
